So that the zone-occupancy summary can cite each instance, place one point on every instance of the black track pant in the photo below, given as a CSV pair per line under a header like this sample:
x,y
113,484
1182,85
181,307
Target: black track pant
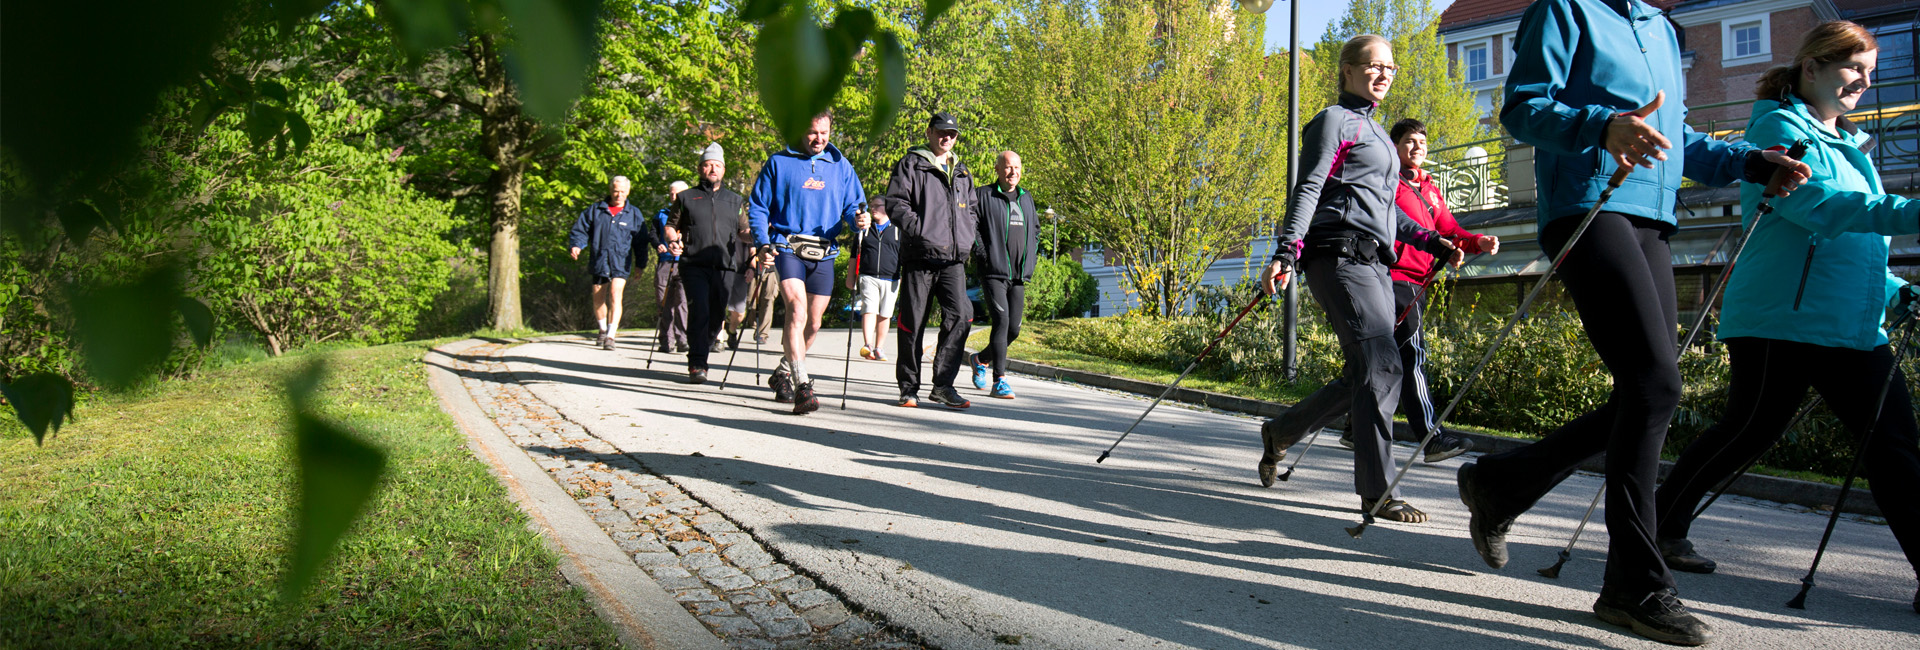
x,y
1006,303
1769,382
920,286
706,309
1620,275
1358,299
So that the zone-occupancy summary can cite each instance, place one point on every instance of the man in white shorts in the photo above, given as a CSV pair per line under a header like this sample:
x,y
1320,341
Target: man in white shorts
x,y
875,279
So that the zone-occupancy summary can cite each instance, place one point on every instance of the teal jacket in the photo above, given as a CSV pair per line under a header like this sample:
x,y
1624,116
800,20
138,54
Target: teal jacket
x,y
1815,271
1587,60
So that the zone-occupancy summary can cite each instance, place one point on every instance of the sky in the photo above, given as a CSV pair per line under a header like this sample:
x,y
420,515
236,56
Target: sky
x,y
1315,17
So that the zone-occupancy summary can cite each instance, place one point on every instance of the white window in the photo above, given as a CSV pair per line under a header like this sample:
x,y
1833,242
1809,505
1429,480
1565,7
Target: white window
x,y
1745,41
1476,58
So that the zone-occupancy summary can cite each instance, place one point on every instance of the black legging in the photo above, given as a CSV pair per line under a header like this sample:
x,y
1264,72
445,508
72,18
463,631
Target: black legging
x,y
1620,276
1006,303
1769,382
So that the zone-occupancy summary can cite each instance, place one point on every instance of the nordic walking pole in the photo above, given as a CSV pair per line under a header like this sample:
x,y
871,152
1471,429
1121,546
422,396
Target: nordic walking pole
x,y
1720,284
1257,299
1791,425
1806,584
1619,177
1303,454
859,240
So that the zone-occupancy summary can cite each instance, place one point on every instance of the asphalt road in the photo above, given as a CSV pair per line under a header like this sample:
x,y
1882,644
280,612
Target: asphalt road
x,y
989,526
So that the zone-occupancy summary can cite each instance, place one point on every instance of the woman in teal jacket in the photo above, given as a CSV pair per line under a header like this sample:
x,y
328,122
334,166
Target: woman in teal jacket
x,y
1831,235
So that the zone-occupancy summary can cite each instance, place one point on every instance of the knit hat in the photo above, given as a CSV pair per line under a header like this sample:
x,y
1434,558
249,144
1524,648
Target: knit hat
x,y
713,152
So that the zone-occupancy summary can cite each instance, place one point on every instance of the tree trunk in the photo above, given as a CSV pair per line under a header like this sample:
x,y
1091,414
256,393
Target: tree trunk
x,y
505,135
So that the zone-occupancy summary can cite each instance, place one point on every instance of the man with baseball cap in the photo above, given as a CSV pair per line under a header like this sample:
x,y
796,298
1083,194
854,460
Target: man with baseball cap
x,y
805,196
931,197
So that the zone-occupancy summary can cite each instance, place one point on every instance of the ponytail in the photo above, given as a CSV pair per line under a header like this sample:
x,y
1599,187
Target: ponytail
x,y
1831,41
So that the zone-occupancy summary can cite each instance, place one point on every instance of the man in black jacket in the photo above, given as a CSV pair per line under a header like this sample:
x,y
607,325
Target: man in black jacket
x,y
616,234
931,196
1006,253
706,220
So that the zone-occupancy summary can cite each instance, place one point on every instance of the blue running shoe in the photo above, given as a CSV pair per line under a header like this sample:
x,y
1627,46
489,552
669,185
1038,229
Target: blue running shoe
x,y
979,373
1001,389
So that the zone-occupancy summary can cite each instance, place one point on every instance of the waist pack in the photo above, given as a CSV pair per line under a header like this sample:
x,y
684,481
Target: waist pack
x,y
807,247
1359,247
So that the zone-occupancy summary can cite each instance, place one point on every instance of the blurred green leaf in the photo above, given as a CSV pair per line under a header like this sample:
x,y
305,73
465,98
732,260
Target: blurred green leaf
x,y
204,112
844,39
891,92
754,10
338,475
199,320
42,401
80,220
552,52
790,59
264,121
935,8
272,90
291,11
299,132
423,26
125,329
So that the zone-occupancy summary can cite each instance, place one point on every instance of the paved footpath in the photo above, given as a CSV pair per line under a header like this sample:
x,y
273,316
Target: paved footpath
x,y
884,527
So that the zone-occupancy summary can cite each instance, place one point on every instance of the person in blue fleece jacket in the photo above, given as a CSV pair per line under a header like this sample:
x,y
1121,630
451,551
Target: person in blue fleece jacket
x,y
806,194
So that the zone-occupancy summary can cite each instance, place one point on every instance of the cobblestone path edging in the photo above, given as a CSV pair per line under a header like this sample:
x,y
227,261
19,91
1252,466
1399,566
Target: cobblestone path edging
x,y
721,574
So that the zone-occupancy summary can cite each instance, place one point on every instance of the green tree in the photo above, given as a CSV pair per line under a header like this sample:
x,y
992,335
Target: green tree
x,y
1161,126
1428,87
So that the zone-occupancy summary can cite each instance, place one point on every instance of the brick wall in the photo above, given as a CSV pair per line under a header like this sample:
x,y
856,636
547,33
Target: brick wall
x,y
1709,83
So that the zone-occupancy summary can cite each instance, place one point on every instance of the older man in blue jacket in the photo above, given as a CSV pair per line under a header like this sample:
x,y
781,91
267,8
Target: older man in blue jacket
x,y
1589,96
616,235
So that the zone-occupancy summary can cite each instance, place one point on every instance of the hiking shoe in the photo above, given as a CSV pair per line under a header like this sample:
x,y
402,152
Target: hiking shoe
x,y
733,340
680,347
1680,556
1346,439
948,396
907,401
782,384
1446,445
803,400
697,375
1268,472
1001,389
979,373
1270,438
760,339
1659,616
1488,531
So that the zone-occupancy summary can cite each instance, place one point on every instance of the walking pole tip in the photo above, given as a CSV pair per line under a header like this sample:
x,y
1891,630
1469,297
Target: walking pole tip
x,y
1554,571
1800,600
1103,457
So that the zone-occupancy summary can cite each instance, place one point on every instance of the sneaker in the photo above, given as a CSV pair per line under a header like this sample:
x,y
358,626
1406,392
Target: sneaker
x,y
665,348
950,397
803,400
680,347
907,401
697,376
1001,389
1659,616
1346,439
782,384
1446,445
1680,556
608,342
866,353
1489,532
760,339
877,356
979,373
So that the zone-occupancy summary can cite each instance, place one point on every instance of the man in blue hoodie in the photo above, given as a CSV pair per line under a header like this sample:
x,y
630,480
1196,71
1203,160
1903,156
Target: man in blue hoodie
x,y
1589,96
805,196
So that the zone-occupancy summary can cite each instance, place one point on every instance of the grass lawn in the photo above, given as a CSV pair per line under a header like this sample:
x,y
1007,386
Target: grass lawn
x,y
161,518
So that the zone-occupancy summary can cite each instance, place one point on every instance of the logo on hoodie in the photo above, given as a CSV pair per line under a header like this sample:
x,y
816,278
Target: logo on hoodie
x,y
814,184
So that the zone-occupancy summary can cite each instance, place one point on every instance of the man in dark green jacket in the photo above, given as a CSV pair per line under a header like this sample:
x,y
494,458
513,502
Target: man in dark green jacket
x,y
930,195
1005,254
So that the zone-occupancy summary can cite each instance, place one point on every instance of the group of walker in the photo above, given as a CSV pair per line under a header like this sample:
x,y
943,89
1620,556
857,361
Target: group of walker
x,y
1364,227
1592,105
721,251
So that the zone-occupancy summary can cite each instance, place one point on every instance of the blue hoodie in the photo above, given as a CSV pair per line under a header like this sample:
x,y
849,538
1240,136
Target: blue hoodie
x,y
1585,61
806,195
1815,271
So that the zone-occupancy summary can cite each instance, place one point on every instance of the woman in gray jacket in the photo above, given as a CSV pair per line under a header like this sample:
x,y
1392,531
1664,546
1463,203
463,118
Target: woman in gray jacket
x,y
1339,231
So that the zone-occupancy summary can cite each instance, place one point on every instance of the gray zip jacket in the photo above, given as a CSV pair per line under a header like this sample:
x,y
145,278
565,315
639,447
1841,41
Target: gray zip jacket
x,y
1347,179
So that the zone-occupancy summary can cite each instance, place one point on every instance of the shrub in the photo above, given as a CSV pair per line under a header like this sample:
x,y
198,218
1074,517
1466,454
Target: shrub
x,y
1059,288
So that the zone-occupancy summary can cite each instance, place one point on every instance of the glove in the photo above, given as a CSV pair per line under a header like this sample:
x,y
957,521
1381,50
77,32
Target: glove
x,y
1905,300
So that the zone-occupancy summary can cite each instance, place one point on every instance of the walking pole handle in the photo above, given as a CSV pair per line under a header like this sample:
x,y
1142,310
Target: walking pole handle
x,y
1780,176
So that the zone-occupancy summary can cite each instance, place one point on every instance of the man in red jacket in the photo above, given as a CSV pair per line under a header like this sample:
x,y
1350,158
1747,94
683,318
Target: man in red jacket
x,y
1426,205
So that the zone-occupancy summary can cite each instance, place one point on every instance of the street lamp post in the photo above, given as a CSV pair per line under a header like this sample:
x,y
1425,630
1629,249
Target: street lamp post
x,y
1054,251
